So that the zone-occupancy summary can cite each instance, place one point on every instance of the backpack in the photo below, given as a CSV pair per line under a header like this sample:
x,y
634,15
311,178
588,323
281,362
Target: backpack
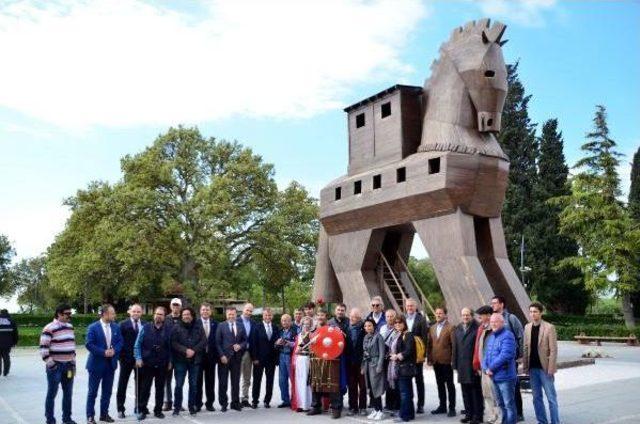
x,y
420,349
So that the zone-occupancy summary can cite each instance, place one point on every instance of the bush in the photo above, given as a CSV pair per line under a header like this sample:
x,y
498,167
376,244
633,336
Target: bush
x,y
613,330
30,336
591,319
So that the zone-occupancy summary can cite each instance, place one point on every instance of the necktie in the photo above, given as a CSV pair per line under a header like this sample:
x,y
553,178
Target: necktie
x,y
207,328
135,326
107,335
269,332
235,332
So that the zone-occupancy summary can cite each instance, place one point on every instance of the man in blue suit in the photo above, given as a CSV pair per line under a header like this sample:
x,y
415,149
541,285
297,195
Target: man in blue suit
x,y
264,355
129,328
207,371
104,343
231,341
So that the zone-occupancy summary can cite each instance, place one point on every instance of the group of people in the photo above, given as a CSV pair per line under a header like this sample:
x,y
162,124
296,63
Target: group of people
x,y
383,356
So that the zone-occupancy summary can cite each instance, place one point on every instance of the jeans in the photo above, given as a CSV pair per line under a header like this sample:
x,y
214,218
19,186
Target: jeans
x,y
168,393
405,385
147,377
505,391
181,371
540,381
283,377
57,376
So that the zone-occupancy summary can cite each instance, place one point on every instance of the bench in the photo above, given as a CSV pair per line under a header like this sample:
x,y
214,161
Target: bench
x,y
630,340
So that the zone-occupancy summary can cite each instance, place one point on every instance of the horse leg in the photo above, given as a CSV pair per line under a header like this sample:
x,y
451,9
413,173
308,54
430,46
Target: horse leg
x,y
325,282
451,243
353,256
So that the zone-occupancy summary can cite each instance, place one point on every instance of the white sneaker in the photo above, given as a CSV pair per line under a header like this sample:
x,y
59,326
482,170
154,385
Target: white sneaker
x,y
372,415
379,416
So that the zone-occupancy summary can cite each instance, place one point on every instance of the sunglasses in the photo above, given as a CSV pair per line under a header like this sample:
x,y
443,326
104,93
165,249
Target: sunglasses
x,y
373,305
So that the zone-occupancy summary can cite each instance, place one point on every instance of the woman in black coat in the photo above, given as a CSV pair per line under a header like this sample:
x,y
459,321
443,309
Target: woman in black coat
x,y
403,355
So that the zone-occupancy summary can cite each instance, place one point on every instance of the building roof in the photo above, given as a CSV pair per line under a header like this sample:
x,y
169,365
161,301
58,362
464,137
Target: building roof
x,y
383,93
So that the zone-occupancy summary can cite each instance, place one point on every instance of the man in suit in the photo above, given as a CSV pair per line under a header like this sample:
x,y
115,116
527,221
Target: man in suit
x,y
129,328
297,320
207,371
231,341
246,364
419,327
377,312
172,319
264,355
439,355
357,387
464,344
539,359
104,343
152,351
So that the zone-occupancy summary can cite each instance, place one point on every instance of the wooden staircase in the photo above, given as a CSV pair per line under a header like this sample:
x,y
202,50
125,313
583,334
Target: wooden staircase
x,y
392,285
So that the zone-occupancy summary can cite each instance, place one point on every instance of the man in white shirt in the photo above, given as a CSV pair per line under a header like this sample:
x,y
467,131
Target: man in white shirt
x,y
246,365
207,370
264,355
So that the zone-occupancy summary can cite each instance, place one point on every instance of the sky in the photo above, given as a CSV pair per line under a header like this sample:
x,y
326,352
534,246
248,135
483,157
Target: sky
x,y
83,83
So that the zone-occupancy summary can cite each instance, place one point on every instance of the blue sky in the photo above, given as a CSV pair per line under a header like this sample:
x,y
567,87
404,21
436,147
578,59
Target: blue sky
x,y
82,84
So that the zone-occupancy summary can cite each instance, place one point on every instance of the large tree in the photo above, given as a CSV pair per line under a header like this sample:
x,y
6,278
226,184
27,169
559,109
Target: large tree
x,y
598,221
189,212
634,210
30,280
518,141
561,289
6,255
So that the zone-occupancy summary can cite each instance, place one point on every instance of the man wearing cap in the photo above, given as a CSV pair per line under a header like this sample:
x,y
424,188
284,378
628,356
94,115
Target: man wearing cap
x,y
492,412
174,318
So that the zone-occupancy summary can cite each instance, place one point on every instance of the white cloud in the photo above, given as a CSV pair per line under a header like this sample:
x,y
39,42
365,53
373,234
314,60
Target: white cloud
x,y
523,12
87,63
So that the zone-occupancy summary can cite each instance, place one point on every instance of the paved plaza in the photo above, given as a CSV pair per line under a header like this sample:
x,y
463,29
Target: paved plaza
x,y
604,393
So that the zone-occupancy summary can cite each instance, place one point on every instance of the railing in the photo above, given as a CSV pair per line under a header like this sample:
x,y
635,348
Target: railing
x,y
424,299
397,283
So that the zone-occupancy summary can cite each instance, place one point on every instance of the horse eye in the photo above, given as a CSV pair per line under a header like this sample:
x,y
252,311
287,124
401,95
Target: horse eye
x,y
489,74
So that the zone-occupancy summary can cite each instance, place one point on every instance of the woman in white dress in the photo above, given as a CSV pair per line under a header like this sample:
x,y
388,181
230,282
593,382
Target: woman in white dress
x,y
301,396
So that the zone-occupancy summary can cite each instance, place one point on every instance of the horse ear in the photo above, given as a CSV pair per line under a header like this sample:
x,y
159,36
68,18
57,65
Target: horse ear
x,y
485,39
502,43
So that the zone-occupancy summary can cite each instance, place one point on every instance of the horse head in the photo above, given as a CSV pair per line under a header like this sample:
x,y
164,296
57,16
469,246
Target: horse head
x,y
476,53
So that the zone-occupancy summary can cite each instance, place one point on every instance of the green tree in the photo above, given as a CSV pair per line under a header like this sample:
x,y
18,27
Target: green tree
x,y
422,270
562,290
6,255
598,221
518,141
29,277
634,210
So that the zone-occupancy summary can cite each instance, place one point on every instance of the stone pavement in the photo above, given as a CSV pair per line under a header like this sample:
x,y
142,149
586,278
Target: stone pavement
x,y
604,393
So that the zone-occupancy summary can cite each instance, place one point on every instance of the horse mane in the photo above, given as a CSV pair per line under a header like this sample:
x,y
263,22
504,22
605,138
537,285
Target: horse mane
x,y
482,27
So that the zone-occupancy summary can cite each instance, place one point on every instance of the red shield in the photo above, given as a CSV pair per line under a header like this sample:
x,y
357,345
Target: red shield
x,y
329,342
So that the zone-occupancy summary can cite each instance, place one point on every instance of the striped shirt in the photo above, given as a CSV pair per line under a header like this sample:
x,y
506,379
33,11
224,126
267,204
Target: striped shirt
x,y
57,342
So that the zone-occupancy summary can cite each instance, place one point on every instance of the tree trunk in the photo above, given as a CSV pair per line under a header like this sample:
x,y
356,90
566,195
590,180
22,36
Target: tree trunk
x,y
627,311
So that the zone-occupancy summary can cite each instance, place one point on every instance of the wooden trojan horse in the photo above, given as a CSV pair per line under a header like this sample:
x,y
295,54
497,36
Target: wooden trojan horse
x,y
425,161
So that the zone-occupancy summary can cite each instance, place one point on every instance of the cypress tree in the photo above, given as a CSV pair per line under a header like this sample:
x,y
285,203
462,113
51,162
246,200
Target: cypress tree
x,y
562,290
634,211
518,141
599,222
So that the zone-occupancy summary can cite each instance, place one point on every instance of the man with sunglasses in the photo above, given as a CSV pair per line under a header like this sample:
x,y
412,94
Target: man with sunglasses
x,y
377,312
58,351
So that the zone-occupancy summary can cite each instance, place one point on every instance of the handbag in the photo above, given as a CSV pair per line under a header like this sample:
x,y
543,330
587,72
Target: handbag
x,y
406,369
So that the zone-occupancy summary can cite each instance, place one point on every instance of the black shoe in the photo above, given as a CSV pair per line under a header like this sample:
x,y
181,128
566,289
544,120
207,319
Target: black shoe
x,y
439,411
193,411
254,405
199,408
314,411
141,416
284,405
91,420
336,413
236,408
121,415
69,422
210,408
245,403
452,413
266,405
223,408
420,410
107,419
158,415
520,418
465,420
167,406
175,413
